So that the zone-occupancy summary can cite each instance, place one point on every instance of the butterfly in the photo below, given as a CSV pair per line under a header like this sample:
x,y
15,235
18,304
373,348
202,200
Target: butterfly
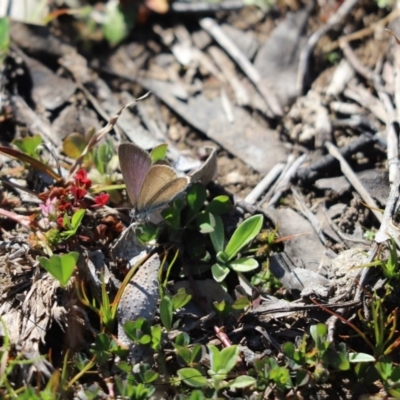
x,y
150,186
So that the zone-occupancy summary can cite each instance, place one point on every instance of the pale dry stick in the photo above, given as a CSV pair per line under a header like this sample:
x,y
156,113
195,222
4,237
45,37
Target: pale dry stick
x,y
98,136
387,230
392,138
211,27
284,184
302,207
354,181
226,66
265,183
201,7
397,85
267,196
363,96
363,32
227,106
305,54
96,105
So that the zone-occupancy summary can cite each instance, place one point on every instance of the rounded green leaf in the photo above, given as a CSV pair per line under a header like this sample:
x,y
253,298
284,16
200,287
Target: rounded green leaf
x,y
159,152
244,264
242,382
115,27
192,377
244,234
219,205
219,272
360,357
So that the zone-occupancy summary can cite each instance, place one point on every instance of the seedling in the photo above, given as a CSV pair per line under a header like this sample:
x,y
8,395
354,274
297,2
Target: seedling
x,y
221,364
242,236
169,305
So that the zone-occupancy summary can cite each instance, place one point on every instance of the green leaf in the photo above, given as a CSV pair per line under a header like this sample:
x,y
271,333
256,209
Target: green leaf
x,y
185,354
223,361
147,232
61,267
280,375
361,357
77,218
205,222
219,272
102,157
241,303
197,353
172,214
183,339
215,364
115,28
29,144
302,377
166,312
196,196
242,382
228,358
196,395
74,144
219,306
149,376
156,336
217,236
219,205
192,377
180,299
244,264
244,234
4,37
316,331
159,153
136,329
288,350
72,224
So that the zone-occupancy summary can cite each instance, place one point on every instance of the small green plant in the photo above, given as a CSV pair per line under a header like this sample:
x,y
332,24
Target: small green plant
x,y
226,257
390,267
222,362
141,332
383,327
186,355
169,305
60,266
29,145
72,224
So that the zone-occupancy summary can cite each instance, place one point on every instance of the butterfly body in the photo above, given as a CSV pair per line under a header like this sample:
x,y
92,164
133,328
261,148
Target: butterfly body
x,y
149,186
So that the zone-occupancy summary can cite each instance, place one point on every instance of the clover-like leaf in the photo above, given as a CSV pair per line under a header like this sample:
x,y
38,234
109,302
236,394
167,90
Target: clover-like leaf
x,y
60,266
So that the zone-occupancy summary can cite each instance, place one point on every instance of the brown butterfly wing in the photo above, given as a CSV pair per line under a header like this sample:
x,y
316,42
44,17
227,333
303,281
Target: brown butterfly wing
x,y
135,164
160,187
